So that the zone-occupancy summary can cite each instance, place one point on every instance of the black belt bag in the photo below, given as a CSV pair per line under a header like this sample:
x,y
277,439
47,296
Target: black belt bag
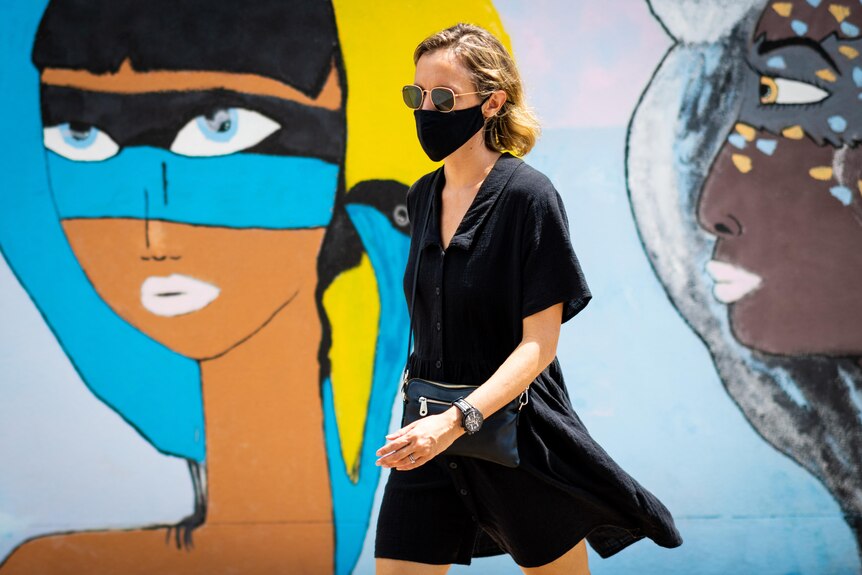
x,y
497,439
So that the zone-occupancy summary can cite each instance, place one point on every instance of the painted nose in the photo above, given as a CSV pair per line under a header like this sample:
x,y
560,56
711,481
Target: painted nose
x,y
718,209
726,225
156,230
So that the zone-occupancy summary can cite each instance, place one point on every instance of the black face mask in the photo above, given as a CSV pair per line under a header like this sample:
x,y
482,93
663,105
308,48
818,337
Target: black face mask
x,y
441,133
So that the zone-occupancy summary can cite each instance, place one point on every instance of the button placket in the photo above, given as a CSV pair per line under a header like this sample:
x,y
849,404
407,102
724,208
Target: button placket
x,y
433,277
461,486
439,307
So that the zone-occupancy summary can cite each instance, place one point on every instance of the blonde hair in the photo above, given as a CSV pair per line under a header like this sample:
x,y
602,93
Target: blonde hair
x,y
514,128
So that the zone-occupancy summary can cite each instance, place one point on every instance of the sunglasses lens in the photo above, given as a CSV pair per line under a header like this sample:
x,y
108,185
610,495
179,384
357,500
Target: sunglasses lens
x,y
412,96
443,99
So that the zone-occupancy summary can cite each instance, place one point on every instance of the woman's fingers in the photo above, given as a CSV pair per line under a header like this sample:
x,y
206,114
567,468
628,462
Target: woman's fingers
x,y
394,451
393,445
422,438
397,458
398,452
405,462
409,464
403,430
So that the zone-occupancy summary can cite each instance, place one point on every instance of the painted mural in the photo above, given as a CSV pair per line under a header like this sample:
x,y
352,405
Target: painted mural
x,y
203,235
745,178
233,281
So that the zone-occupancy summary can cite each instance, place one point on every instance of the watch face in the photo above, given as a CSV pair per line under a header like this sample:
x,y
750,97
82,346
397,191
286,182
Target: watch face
x,y
473,421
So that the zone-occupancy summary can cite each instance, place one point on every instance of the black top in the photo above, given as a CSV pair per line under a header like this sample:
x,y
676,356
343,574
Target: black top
x,y
511,256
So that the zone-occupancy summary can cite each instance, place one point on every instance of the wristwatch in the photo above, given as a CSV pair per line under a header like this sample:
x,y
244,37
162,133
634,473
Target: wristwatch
x,y
471,418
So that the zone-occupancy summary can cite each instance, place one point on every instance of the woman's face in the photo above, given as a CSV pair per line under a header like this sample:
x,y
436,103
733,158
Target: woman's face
x,y
442,68
784,195
195,204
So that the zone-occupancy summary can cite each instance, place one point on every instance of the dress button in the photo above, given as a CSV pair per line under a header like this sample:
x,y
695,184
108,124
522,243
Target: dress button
x,y
453,465
463,492
437,290
438,326
473,518
438,363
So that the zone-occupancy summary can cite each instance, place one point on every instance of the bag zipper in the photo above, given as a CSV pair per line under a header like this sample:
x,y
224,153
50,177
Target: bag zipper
x,y
424,401
406,384
453,385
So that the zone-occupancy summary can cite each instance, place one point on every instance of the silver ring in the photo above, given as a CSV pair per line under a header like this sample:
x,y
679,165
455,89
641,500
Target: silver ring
x,y
410,456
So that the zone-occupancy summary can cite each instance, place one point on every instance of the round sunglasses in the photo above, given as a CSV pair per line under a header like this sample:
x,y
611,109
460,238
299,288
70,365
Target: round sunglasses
x,y
442,98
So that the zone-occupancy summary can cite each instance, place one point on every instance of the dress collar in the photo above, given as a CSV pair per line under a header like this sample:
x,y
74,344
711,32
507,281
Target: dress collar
x,y
485,199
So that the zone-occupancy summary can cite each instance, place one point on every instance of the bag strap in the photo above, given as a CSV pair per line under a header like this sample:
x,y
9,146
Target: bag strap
x,y
416,267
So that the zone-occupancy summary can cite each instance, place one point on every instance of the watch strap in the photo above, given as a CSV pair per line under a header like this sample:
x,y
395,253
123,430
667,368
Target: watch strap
x,y
463,405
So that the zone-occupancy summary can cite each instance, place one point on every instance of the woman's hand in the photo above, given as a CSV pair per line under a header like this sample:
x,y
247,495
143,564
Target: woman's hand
x,y
423,439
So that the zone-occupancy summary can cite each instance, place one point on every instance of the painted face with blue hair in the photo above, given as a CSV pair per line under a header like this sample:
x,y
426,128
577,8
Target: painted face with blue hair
x,y
784,194
189,174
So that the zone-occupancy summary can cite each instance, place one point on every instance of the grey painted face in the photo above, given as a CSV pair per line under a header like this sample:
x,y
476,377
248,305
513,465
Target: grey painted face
x,y
798,81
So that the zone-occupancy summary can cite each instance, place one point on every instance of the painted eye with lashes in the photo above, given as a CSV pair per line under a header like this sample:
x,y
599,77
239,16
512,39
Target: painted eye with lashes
x,y
223,131
79,142
784,91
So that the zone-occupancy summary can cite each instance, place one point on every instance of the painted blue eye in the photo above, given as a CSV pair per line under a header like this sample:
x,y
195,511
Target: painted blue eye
x,y
219,126
79,136
79,142
223,131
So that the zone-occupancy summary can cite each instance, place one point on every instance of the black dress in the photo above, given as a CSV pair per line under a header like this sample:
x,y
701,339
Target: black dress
x,y
511,256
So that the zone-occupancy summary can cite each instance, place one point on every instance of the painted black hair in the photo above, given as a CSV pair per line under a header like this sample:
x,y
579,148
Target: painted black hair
x,y
293,41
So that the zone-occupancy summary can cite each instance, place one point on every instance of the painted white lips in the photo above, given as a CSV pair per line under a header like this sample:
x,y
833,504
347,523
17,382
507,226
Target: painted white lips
x,y
176,294
731,282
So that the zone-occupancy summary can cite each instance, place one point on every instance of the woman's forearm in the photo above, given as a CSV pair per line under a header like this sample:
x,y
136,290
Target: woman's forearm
x,y
537,349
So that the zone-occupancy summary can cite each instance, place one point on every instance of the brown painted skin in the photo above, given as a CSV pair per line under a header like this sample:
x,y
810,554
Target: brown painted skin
x,y
789,229
269,504
801,240
219,549
267,481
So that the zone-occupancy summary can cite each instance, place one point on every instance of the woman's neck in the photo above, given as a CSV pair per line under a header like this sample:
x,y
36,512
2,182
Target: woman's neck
x,y
468,166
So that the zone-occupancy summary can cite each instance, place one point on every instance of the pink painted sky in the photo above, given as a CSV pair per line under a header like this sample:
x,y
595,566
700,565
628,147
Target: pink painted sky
x,y
584,62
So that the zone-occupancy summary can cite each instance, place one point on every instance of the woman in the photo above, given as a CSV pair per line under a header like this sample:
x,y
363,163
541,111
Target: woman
x,y
492,315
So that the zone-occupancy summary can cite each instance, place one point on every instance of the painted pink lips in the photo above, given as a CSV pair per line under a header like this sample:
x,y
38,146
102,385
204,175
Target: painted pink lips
x,y
731,282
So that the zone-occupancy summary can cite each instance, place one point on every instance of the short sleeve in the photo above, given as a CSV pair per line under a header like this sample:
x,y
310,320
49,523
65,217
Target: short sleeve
x,y
551,272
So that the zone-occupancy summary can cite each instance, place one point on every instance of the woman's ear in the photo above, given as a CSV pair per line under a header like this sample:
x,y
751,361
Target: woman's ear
x,y
494,103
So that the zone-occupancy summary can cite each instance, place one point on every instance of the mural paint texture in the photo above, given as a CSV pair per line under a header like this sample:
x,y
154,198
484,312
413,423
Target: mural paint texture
x,y
193,227
745,178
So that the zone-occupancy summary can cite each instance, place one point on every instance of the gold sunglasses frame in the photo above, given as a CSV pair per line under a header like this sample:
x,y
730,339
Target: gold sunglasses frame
x,y
422,99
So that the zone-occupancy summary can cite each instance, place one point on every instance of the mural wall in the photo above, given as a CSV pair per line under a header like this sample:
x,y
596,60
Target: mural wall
x,y
751,213
203,233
